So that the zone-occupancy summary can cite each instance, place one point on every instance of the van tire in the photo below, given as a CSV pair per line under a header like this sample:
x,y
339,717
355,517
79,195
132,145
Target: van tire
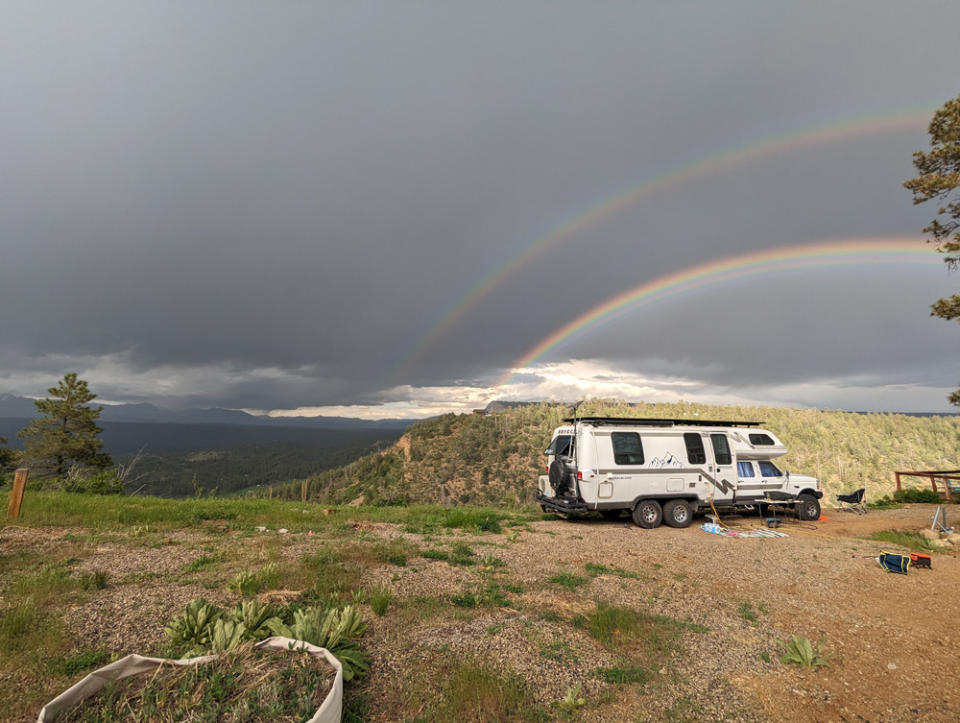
x,y
677,513
648,514
808,507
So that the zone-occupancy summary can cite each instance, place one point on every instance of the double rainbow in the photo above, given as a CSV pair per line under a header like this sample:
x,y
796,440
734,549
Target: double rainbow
x,y
823,254
901,121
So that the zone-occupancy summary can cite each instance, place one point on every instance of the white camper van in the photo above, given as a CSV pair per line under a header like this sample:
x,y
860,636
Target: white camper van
x,y
666,470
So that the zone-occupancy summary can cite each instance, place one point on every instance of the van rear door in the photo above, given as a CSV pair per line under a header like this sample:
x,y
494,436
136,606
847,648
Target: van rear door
x,y
725,466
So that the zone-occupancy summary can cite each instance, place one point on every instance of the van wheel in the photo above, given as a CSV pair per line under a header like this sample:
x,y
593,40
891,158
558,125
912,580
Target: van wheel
x,y
808,507
648,514
610,514
677,513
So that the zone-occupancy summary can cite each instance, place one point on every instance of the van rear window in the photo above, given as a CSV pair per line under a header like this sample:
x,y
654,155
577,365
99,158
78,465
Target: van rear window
x,y
627,448
560,445
695,451
761,440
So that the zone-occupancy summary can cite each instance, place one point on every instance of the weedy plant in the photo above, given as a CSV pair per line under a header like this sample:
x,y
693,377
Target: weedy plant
x,y
800,651
250,583
571,702
380,599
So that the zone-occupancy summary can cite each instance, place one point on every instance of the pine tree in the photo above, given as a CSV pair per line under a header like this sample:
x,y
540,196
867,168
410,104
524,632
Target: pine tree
x,y
67,434
939,179
7,456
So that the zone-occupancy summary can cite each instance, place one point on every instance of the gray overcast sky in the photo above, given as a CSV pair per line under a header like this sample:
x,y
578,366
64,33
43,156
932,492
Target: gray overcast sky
x,y
273,205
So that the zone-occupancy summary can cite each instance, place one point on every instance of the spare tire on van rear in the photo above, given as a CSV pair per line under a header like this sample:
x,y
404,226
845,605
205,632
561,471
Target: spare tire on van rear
x,y
561,477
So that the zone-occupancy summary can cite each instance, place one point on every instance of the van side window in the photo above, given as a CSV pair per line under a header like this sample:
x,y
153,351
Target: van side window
x,y
721,450
761,440
695,452
745,469
769,469
627,448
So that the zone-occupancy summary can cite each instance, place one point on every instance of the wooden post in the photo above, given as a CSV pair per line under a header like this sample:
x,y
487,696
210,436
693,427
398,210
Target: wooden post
x,y
270,492
303,491
897,475
16,496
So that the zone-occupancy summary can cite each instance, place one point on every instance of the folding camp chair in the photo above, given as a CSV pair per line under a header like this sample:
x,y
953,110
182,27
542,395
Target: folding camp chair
x,y
853,501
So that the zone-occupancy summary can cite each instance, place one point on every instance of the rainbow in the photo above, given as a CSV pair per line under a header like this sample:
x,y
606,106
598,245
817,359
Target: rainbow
x,y
901,121
821,254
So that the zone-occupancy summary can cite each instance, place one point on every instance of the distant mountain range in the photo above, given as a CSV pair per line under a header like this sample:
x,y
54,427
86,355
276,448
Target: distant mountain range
x,y
22,407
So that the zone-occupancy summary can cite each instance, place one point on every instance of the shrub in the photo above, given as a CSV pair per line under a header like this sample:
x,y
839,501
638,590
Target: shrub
x,y
917,495
477,691
909,539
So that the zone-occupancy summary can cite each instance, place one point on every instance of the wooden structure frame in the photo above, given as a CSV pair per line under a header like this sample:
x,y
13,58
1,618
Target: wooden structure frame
x,y
944,477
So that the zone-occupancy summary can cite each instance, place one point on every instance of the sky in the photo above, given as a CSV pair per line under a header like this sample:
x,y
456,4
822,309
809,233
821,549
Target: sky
x,y
384,209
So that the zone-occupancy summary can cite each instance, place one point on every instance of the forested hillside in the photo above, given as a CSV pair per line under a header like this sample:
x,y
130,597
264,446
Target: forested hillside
x,y
496,458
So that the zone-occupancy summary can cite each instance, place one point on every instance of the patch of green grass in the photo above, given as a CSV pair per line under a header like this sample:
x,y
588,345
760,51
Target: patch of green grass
x,y
380,599
424,607
764,656
637,635
461,554
568,580
435,553
49,580
559,651
746,611
202,562
426,519
910,540
16,624
550,616
78,662
155,514
29,634
624,673
490,595
331,572
96,580
396,551
593,569
477,691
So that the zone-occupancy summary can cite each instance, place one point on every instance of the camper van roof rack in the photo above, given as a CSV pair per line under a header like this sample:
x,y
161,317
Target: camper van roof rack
x,y
652,422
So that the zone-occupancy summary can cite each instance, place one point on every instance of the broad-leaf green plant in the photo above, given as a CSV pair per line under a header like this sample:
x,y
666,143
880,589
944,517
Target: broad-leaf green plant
x,y
800,651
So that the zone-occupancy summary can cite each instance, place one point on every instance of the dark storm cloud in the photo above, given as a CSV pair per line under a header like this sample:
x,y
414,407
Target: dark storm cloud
x,y
264,205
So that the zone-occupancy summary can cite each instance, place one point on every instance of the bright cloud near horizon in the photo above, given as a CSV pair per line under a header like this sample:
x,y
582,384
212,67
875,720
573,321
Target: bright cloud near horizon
x,y
391,210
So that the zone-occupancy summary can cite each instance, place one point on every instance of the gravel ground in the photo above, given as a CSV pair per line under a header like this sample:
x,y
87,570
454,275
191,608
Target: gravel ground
x,y
891,638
